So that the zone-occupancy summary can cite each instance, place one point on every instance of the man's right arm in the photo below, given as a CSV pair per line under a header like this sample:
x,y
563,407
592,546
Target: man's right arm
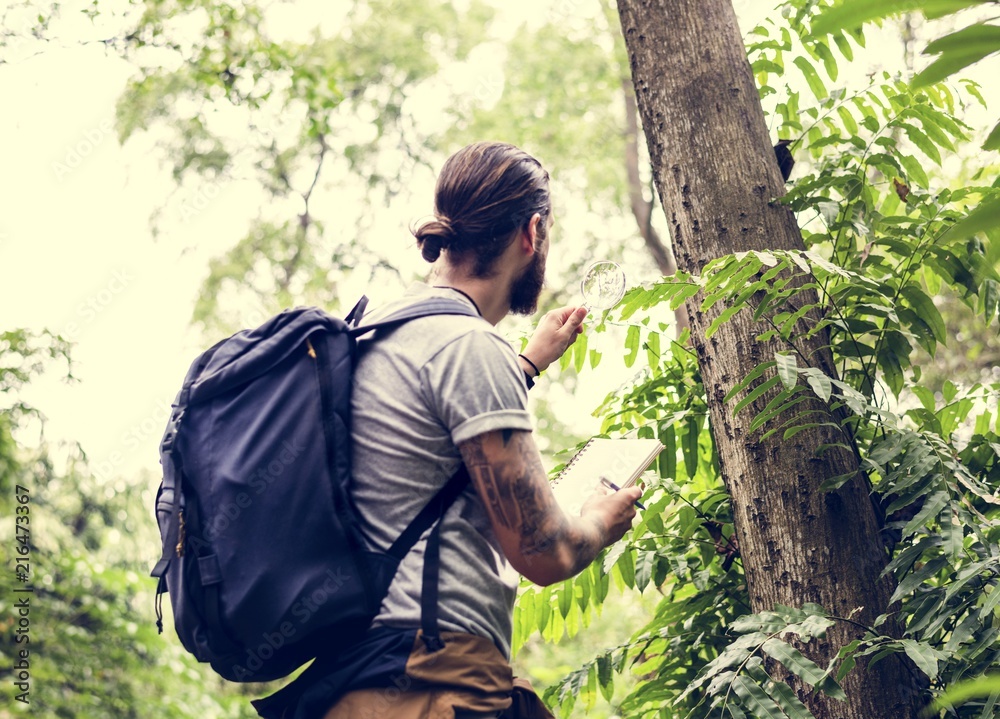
x,y
538,538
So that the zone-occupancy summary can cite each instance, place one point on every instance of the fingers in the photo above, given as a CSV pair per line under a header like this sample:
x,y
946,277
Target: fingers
x,y
571,321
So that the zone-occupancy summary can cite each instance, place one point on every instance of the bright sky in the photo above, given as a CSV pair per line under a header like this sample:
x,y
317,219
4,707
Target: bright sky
x,y
78,256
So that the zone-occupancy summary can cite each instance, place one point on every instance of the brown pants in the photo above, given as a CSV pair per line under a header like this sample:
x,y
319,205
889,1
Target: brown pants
x,y
468,678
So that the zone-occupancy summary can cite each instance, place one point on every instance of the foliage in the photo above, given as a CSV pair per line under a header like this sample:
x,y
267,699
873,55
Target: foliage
x,y
92,648
883,241
327,101
955,51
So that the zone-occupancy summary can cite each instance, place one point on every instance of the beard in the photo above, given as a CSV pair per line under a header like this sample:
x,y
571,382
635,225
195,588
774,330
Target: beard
x,y
527,288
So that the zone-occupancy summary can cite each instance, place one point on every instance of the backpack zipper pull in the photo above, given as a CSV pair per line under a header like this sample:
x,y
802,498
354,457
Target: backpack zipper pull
x,y
312,352
180,535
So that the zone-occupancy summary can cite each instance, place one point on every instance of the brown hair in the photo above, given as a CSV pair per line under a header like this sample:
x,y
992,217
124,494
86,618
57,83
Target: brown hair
x,y
484,193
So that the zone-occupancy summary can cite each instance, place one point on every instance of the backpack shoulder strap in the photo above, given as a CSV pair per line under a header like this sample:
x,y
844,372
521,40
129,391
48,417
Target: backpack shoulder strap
x,y
433,510
436,306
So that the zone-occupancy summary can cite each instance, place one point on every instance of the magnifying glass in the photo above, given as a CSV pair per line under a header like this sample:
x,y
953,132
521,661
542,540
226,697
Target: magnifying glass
x,y
603,285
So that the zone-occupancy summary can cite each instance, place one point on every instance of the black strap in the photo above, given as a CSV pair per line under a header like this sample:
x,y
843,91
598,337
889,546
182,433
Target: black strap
x,y
433,512
329,420
429,591
430,513
353,318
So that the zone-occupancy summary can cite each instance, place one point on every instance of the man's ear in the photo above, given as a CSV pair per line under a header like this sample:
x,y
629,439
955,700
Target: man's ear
x,y
530,235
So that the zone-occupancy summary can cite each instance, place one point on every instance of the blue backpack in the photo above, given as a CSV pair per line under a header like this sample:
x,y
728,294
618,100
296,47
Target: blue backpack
x,y
263,555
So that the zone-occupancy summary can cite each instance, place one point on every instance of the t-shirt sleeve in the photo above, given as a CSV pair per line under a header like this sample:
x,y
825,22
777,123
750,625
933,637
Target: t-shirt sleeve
x,y
475,385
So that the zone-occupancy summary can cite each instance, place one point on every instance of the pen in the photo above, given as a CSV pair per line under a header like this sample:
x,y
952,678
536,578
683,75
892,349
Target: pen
x,y
611,485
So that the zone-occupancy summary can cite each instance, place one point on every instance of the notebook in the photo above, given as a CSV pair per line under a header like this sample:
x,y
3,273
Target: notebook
x,y
621,461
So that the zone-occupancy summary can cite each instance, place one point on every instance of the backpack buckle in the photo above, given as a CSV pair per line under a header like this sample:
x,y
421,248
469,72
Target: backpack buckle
x,y
170,436
432,642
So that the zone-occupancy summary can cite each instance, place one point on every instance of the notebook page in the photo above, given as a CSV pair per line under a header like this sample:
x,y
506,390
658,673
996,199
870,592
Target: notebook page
x,y
622,461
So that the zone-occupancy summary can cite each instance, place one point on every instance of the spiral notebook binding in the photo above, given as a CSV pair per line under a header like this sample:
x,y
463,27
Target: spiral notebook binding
x,y
569,464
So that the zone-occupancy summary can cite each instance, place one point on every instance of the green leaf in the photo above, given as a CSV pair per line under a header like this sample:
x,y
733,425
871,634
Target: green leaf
x,y
914,580
920,139
605,677
983,686
580,352
754,698
794,661
786,699
644,569
915,173
756,393
948,64
565,592
845,47
690,446
754,374
781,402
852,14
653,348
820,384
723,317
626,567
923,655
668,457
848,119
974,36
792,431
892,369
985,217
993,140
829,62
632,345
787,369
812,77
832,483
927,311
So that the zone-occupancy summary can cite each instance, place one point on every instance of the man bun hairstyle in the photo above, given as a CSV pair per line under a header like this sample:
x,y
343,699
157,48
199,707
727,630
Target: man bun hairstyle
x,y
433,236
485,192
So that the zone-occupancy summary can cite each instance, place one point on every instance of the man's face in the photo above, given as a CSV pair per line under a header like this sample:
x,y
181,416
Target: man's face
x,y
527,288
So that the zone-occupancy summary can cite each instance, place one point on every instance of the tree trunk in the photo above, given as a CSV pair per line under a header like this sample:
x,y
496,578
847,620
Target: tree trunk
x,y
716,174
642,209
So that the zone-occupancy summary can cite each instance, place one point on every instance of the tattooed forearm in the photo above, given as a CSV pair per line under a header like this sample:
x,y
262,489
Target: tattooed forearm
x,y
509,476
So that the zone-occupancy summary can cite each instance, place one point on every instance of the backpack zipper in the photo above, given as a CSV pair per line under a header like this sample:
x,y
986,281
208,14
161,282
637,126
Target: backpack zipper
x,y
311,351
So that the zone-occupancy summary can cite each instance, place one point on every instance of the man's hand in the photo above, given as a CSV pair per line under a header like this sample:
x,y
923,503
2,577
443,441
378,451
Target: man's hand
x,y
556,331
612,510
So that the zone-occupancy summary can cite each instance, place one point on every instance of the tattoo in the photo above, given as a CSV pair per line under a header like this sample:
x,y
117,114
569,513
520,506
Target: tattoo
x,y
482,473
513,486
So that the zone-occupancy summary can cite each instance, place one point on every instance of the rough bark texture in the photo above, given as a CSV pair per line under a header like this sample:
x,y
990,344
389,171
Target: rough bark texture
x,y
642,209
716,175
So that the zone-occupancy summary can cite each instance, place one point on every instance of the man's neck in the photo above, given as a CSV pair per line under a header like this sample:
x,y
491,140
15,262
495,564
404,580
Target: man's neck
x,y
489,294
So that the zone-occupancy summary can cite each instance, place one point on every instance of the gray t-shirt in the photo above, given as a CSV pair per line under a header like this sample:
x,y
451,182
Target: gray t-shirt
x,y
419,391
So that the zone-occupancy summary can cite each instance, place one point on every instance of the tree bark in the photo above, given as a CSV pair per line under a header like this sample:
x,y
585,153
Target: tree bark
x,y
716,174
642,209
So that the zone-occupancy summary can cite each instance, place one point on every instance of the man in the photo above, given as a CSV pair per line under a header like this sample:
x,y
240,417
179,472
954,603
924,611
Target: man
x,y
443,390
